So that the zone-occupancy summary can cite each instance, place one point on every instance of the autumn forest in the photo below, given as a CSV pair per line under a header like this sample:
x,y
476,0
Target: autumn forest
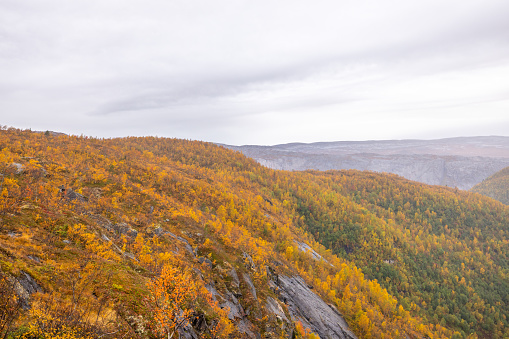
x,y
147,238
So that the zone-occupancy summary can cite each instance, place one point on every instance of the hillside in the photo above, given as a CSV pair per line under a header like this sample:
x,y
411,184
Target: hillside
x,y
150,231
495,186
434,248
454,162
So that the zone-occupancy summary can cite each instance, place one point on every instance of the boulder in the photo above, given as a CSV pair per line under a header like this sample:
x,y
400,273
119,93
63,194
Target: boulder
x,y
71,195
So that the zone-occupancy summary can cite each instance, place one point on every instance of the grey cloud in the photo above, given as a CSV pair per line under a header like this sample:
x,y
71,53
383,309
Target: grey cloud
x,y
236,64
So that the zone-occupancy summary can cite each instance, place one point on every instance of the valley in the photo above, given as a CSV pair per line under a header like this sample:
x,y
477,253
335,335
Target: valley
x,y
455,162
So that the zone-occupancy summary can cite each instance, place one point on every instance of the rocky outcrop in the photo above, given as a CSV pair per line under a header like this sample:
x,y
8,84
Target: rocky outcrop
x,y
17,167
307,307
186,243
70,194
235,278
275,308
248,262
250,285
236,312
124,229
303,247
24,286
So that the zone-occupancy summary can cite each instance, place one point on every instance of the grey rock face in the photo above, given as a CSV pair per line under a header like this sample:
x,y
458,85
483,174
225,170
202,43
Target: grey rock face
x,y
18,167
129,255
24,287
236,311
235,278
71,195
250,284
307,249
452,171
302,305
188,332
186,243
248,262
34,258
311,310
273,306
159,231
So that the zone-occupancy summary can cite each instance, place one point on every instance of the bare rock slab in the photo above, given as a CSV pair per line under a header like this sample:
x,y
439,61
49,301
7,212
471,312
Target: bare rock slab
x,y
311,310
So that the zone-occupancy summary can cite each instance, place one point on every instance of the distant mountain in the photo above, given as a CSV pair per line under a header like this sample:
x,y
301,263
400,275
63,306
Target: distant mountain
x,y
496,186
455,162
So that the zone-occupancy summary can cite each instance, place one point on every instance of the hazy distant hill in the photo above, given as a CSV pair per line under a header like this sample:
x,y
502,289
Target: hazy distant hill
x,y
455,162
496,186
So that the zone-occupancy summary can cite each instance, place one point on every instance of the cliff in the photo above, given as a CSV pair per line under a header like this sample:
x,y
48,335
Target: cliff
x,y
455,162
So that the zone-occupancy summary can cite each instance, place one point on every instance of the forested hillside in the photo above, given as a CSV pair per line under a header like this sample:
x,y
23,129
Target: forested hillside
x,y
439,250
496,186
147,237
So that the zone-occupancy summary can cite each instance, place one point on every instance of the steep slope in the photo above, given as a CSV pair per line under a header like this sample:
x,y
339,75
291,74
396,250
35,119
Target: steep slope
x,y
454,162
496,186
401,259
439,250
142,237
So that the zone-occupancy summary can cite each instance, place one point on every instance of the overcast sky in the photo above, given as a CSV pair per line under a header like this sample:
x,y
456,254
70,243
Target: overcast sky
x,y
256,72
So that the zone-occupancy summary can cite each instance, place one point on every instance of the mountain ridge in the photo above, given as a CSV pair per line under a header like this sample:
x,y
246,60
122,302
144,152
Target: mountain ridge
x,y
456,162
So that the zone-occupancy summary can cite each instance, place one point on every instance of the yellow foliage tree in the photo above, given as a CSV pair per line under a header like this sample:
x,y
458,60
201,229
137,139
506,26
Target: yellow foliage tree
x,y
173,298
